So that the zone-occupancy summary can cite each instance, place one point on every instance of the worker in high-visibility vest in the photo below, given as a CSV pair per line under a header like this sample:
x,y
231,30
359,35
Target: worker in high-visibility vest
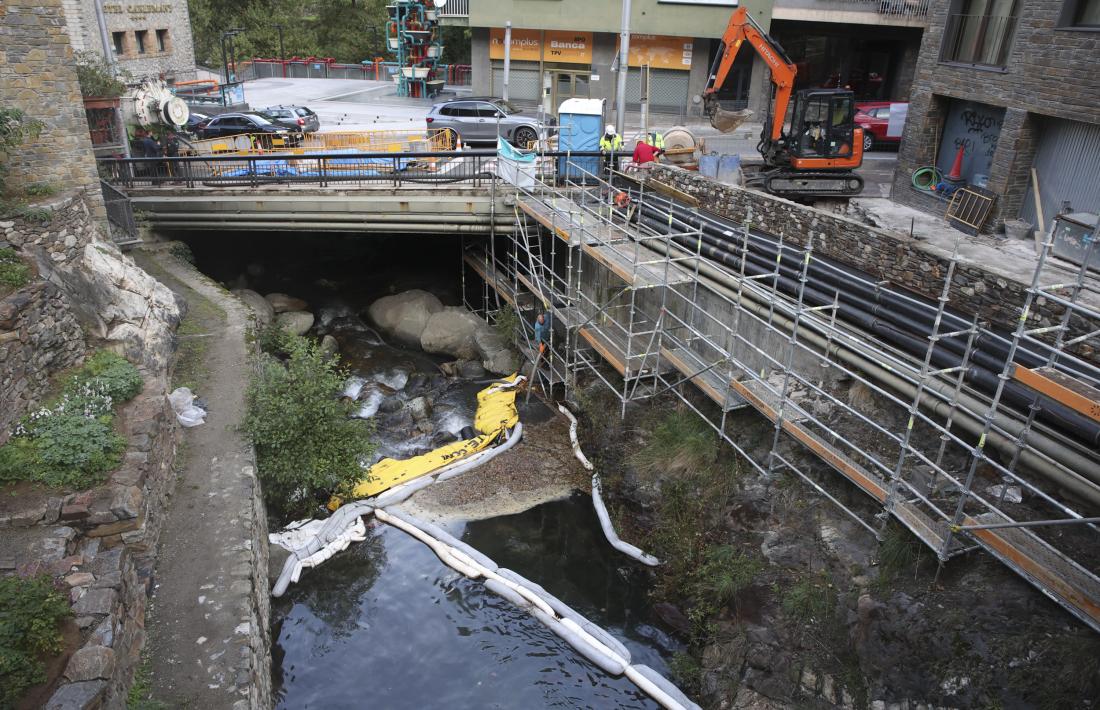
x,y
611,142
656,140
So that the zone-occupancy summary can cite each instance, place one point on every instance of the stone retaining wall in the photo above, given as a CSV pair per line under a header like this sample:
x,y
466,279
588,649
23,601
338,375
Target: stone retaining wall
x,y
39,337
884,255
259,627
106,538
63,233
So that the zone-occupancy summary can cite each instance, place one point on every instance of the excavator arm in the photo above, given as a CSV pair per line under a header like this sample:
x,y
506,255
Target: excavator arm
x,y
742,27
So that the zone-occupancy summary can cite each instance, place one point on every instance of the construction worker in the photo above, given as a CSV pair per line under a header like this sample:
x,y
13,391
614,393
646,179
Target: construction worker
x,y
542,332
646,152
611,142
656,140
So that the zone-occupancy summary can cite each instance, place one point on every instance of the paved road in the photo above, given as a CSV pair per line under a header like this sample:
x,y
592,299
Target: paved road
x,y
351,104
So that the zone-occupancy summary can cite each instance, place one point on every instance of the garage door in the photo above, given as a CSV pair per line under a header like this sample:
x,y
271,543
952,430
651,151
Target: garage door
x,y
1065,160
668,90
523,83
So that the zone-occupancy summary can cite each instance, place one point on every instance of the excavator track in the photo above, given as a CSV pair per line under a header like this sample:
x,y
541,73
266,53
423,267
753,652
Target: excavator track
x,y
812,184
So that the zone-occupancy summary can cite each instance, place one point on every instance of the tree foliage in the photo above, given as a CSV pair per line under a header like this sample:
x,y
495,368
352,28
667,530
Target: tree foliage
x,y
16,127
307,445
350,31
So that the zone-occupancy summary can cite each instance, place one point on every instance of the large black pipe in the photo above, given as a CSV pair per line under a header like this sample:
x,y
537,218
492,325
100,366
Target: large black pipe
x,y
851,281
1051,412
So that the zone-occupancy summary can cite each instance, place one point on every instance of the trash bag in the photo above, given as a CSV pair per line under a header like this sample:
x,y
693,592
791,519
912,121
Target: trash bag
x,y
183,404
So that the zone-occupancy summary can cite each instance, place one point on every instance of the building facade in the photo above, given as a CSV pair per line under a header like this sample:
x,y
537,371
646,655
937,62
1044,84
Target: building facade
x,y
148,39
1014,85
567,48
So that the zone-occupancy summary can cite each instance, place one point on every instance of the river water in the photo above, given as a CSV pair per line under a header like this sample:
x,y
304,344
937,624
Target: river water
x,y
386,624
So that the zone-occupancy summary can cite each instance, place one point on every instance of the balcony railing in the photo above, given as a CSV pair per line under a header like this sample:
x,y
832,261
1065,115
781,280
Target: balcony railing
x,y
915,9
982,40
455,8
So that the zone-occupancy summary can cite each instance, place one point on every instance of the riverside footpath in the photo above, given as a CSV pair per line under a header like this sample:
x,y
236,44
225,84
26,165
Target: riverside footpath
x,y
209,636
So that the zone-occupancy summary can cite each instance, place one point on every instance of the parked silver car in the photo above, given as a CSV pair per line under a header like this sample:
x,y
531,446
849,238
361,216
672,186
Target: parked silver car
x,y
479,119
296,118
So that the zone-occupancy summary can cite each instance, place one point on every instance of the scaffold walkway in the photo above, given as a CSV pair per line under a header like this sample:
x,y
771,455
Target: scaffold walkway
x,y
640,295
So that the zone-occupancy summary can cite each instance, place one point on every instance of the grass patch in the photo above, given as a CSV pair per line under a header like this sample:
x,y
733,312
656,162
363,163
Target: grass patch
x,y
13,272
31,612
40,189
810,600
140,694
71,441
899,554
679,441
687,672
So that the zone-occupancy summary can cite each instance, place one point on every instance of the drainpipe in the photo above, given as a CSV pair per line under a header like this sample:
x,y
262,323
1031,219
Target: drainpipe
x,y
109,56
507,57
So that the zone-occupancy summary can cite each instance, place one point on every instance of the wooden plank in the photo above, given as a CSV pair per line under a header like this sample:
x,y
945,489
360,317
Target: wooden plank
x,y
1042,565
711,383
569,226
644,276
604,349
1061,388
614,351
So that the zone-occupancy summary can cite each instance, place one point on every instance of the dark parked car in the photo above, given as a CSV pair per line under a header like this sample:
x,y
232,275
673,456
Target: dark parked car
x,y
194,120
874,117
479,119
296,118
232,124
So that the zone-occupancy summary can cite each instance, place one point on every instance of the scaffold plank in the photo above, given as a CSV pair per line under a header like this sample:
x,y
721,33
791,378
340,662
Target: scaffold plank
x,y
613,349
621,262
565,219
1062,388
1045,567
499,282
710,382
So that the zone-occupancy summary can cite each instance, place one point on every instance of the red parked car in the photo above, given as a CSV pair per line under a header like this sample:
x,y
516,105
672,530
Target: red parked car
x,y
873,117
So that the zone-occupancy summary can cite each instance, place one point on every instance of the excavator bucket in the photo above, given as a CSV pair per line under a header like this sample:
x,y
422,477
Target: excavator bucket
x,y
727,121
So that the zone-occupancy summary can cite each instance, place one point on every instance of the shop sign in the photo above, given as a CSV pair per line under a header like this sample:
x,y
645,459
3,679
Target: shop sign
x,y
659,51
550,46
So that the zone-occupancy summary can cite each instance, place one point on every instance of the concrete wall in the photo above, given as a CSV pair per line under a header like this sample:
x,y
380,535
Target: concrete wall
x,y
647,16
37,76
1049,71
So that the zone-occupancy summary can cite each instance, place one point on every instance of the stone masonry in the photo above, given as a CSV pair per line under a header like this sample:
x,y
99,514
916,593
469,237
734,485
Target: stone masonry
x,y
37,76
1050,71
884,255
176,59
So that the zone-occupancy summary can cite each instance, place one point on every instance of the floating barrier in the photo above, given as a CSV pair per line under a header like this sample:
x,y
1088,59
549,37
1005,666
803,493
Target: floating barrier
x,y
597,501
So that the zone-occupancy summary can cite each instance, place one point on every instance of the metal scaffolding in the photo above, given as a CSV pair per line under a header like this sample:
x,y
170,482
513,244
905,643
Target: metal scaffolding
x,y
631,289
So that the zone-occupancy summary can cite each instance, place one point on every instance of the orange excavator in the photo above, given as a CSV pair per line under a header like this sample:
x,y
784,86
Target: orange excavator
x,y
818,154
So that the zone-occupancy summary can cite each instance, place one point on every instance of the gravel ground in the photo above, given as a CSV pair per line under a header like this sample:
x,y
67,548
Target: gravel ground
x,y
539,469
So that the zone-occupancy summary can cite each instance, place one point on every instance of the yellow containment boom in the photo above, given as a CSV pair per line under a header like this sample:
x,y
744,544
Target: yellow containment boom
x,y
496,413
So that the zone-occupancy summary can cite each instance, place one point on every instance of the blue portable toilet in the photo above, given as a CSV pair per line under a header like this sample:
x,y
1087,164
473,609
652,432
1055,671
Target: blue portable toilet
x,y
580,125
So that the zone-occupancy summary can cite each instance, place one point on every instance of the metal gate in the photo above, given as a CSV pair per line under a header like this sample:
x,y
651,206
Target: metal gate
x,y
668,90
523,83
1065,160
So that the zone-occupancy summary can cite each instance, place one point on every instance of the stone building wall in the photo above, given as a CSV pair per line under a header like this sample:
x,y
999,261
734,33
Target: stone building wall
x,y
175,61
37,76
882,254
1050,71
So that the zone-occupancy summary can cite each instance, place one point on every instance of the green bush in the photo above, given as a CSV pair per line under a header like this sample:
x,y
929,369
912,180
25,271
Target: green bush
x,y
307,446
108,373
680,441
95,76
30,613
13,272
71,442
276,340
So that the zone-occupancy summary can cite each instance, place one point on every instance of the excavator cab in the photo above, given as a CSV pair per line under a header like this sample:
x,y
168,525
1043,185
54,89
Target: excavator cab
x,y
823,126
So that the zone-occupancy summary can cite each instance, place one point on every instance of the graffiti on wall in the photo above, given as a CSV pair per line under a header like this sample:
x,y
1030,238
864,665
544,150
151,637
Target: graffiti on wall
x,y
974,128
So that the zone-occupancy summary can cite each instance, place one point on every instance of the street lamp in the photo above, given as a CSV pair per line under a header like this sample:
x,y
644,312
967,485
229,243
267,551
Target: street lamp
x,y
229,34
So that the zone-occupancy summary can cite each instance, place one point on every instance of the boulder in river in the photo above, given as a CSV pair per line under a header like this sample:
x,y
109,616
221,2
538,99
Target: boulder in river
x,y
282,303
496,354
405,315
261,307
420,408
451,332
329,345
296,322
